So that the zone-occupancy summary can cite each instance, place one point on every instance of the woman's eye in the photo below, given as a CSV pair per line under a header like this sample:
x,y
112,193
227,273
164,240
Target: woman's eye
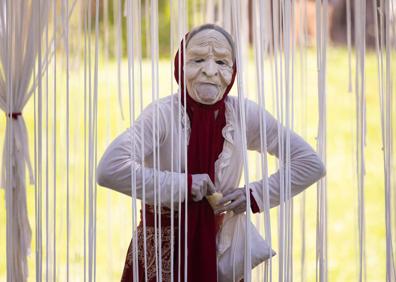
x,y
199,60
219,62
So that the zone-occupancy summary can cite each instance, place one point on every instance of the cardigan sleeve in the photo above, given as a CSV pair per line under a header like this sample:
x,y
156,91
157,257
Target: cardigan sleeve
x,y
305,165
123,161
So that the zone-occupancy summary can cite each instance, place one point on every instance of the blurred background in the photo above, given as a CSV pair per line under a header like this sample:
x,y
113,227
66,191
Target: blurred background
x,y
112,212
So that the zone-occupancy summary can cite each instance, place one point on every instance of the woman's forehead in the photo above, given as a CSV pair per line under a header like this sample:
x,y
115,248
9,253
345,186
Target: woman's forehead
x,y
208,37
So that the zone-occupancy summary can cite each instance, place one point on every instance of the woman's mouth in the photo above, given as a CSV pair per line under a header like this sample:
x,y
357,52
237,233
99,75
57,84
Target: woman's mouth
x,y
207,91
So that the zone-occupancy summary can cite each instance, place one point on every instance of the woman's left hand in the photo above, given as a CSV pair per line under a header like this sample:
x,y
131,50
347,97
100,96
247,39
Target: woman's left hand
x,y
234,200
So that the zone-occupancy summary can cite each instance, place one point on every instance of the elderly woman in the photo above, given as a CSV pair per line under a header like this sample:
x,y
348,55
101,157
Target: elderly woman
x,y
214,160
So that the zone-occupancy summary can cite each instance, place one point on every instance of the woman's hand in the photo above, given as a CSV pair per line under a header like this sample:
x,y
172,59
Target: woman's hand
x,y
201,186
234,200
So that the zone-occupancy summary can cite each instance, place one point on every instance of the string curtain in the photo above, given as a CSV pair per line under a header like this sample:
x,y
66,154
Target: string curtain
x,y
272,40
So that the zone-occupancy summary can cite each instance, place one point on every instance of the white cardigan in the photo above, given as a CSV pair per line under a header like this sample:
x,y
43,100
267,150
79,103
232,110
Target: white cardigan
x,y
125,153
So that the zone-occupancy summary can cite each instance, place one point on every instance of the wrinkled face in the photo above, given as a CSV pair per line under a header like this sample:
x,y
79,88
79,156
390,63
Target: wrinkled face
x,y
208,68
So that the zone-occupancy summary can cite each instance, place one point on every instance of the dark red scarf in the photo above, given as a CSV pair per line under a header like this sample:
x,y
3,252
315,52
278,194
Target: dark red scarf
x,y
204,148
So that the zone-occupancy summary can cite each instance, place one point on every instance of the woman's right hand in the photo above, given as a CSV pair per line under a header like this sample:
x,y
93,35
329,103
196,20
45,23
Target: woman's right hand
x,y
201,186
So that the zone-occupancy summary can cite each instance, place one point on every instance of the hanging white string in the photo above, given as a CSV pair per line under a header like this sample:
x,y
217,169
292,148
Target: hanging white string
x,y
131,18
288,17
302,31
47,245
85,13
321,225
36,164
88,196
179,153
390,260
259,46
54,142
93,144
38,172
11,273
172,215
140,89
65,19
209,11
277,90
349,44
194,13
360,42
242,115
119,54
147,26
183,20
155,134
92,126
105,9
182,150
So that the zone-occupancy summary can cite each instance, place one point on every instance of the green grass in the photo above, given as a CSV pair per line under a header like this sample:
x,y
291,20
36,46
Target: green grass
x,y
114,210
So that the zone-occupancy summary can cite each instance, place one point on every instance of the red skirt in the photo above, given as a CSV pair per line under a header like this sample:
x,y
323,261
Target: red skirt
x,y
149,266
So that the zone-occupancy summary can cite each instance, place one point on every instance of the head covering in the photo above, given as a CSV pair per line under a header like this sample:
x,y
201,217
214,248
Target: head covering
x,y
205,145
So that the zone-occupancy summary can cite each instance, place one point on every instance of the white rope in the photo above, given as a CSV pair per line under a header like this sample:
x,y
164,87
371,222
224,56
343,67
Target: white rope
x,y
360,20
181,35
388,156
93,144
143,143
105,10
321,228
289,113
349,39
140,89
119,54
259,8
9,194
236,20
54,142
65,19
182,29
47,245
86,95
147,26
277,93
155,125
36,201
172,237
38,145
303,118
131,96
179,110
89,117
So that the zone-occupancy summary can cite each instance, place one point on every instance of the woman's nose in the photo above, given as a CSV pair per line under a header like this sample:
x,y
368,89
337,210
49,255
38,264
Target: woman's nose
x,y
210,68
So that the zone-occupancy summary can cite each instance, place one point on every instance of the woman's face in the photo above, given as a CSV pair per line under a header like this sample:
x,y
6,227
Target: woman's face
x,y
208,66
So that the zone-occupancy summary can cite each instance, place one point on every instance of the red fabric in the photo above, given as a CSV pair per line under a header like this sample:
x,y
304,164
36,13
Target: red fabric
x,y
204,148
128,274
253,204
14,115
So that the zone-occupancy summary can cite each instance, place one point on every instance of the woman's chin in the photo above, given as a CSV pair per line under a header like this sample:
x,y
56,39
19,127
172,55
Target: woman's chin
x,y
208,99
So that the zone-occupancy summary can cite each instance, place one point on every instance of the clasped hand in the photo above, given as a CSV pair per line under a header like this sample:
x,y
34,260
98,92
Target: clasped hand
x,y
201,186
234,200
